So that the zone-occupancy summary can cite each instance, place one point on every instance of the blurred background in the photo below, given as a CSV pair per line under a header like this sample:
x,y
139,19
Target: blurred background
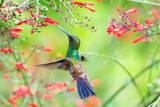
x,y
134,57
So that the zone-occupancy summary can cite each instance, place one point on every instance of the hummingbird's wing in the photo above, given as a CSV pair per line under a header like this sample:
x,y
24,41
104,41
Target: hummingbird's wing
x,y
60,64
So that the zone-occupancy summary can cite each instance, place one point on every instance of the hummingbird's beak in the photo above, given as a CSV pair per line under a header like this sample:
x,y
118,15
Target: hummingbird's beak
x,y
64,31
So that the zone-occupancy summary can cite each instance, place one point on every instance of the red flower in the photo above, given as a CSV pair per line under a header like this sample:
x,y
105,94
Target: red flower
x,y
19,65
6,19
4,50
47,96
6,76
20,23
4,7
47,49
31,13
65,84
95,82
143,38
14,34
93,10
133,10
94,101
149,20
33,105
7,70
22,91
71,89
44,24
88,3
32,31
55,86
79,102
7,50
17,29
99,0
120,33
87,105
51,21
19,11
12,101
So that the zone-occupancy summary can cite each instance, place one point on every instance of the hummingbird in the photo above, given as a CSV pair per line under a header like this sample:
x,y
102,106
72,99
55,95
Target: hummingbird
x,y
72,63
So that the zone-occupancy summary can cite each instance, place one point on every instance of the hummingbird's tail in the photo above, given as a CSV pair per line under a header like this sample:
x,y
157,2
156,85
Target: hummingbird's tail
x,y
84,88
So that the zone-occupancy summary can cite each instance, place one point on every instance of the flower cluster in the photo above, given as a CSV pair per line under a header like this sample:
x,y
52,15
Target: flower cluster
x,y
148,29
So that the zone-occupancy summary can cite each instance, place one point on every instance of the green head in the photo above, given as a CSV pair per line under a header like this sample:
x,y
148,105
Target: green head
x,y
74,41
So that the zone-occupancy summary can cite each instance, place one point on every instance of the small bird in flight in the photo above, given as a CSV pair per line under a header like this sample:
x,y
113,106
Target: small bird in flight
x,y
72,63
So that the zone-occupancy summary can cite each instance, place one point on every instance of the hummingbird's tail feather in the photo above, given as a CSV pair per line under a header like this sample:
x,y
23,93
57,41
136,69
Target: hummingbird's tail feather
x,y
84,88
60,64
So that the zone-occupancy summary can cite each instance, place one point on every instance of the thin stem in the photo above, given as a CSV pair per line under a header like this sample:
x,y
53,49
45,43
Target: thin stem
x,y
70,12
154,104
146,2
129,74
23,3
125,85
37,8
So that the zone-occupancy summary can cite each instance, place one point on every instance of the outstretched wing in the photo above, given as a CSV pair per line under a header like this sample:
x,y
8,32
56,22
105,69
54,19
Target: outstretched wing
x,y
63,64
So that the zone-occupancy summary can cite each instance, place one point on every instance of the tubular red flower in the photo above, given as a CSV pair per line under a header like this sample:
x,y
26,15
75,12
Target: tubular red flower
x,y
92,10
91,4
120,33
6,76
6,19
20,23
149,20
47,96
133,10
71,89
95,82
48,49
51,21
17,29
14,34
143,38
44,24
32,31
31,13
94,101
4,7
4,50
99,0
19,11
33,105
19,65
12,101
